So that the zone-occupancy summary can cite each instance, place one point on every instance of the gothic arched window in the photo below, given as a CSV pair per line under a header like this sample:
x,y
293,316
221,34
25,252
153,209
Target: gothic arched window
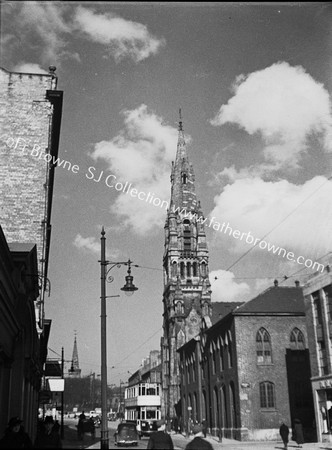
x,y
263,347
184,178
297,340
174,269
188,269
203,269
194,269
182,269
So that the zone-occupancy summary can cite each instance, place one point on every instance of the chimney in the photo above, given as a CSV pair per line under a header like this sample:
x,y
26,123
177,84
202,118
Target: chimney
x,y
297,283
275,283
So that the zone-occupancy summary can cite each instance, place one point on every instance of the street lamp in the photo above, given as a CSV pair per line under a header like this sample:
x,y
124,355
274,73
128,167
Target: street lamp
x,y
129,288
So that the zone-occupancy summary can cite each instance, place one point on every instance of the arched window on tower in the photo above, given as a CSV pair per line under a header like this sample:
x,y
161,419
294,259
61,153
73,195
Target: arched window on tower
x,y
188,269
186,236
184,178
203,269
182,269
174,269
195,269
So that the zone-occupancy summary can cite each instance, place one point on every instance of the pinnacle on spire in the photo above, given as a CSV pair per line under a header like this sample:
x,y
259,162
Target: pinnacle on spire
x,y
180,121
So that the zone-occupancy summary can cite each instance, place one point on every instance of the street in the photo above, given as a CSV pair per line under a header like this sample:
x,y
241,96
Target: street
x,y
71,441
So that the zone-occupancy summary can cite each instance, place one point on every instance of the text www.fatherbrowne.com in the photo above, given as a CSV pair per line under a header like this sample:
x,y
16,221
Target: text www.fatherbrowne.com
x,y
250,239
150,198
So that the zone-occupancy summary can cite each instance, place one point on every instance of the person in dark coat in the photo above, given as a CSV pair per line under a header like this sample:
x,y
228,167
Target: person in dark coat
x,y
298,432
160,439
15,436
198,443
48,437
284,433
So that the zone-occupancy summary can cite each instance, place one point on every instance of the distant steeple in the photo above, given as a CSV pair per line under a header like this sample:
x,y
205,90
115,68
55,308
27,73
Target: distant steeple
x,y
75,370
183,193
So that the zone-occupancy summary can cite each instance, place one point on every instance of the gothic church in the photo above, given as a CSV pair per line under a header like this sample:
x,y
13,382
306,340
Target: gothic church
x,y
187,294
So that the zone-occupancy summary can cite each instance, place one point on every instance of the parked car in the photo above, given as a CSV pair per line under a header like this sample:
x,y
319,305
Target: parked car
x,y
126,434
146,427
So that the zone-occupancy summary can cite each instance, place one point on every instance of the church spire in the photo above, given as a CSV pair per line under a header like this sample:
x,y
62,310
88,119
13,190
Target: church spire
x,y
75,370
183,189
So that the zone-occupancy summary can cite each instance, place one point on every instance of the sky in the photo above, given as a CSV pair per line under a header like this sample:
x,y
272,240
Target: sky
x,y
254,84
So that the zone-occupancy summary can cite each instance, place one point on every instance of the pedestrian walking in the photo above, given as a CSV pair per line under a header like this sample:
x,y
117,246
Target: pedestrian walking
x,y
160,439
284,433
198,443
47,437
204,423
298,432
15,436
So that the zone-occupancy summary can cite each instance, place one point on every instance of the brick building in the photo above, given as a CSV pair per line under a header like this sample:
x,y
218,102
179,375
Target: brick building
x,y
318,306
250,370
30,118
187,295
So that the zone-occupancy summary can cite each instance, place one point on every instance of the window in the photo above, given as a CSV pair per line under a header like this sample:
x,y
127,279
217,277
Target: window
x,y
229,351
174,269
221,356
263,347
182,269
184,178
322,358
195,269
267,395
328,295
187,240
213,357
297,340
188,269
317,308
203,269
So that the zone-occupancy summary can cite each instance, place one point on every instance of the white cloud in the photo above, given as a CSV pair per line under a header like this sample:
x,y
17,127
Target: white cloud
x,y
283,104
47,21
123,38
226,289
251,204
89,243
141,154
92,245
29,68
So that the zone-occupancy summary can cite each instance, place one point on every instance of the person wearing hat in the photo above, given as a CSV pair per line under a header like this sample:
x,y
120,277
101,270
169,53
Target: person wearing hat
x,y
160,439
48,437
15,436
198,443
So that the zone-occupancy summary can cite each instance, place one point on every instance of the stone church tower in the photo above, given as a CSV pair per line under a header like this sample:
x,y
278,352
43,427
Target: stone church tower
x,y
187,294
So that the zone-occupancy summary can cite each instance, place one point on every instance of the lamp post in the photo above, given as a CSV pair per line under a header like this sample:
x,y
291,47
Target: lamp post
x,y
129,288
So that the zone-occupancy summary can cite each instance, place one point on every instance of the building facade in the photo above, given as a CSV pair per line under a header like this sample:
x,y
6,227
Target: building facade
x,y
30,119
21,350
250,370
318,306
187,295
30,112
